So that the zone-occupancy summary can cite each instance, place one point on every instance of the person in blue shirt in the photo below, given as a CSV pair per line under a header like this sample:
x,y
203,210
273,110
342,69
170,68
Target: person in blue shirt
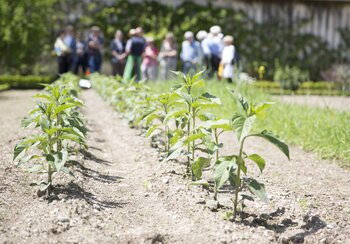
x,y
190,53
94,44
71,43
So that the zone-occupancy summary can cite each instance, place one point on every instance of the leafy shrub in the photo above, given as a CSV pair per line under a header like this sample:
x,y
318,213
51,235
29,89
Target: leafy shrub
x,y
290,78
25,82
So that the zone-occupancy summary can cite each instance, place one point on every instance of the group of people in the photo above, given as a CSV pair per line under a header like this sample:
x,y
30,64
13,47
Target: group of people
x,y
140,58
75,53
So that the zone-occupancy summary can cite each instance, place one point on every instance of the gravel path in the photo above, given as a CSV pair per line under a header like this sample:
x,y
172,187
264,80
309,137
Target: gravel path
x,y
332,102
122,193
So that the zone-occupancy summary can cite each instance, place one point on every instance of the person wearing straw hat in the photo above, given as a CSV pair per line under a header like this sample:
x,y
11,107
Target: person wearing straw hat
x,y
134,49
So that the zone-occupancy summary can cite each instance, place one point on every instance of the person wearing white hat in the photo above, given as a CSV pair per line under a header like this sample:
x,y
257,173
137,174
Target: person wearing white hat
x,y
228,58
215,46
190,53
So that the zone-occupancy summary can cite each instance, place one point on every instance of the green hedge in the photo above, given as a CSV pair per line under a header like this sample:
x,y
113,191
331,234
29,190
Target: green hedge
x,y
24,82
306,88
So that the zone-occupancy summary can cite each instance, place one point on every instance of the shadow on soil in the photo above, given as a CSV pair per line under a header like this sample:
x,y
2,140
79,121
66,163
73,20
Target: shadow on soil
x,y
74,191
276,223
95,175
92,157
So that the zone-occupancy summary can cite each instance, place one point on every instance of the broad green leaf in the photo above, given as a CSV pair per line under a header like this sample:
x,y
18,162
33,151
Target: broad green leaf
x,y
63,107
44,96
247,126
219,124
197,76
269,136
222,171
152,130
198,165
258,190
194,137
187,97
260,162
44,123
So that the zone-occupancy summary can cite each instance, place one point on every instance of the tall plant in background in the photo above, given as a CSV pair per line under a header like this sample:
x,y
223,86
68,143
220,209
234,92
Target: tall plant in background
x,y
230,168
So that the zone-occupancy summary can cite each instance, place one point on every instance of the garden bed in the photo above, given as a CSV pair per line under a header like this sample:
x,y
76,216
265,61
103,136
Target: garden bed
x,y
123,193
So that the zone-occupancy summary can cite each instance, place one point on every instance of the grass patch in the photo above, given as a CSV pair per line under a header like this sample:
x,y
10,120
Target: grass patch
x,y
321,130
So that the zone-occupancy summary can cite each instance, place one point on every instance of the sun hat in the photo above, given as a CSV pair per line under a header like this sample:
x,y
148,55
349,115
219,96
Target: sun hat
x,y
188,34
215,29
201,35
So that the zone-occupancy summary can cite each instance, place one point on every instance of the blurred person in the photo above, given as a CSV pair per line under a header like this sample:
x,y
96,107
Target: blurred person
x,y
118,53
134,49
62,51
215,46
81,55
70,41
190,53
228,58
149,65
167,56
202,37
94,45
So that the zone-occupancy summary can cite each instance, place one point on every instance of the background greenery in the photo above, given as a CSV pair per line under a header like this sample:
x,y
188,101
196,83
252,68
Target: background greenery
x,y
28,28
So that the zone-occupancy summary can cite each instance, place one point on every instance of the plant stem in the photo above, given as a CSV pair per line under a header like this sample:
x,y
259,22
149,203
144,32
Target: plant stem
x,y
188,145
238,179
216,159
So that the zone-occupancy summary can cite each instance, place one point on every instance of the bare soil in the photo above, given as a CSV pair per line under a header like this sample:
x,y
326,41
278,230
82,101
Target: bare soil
x,y
123,193
340,103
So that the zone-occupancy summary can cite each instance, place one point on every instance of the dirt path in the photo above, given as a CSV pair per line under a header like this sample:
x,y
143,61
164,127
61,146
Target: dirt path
x,y
123,194
332,102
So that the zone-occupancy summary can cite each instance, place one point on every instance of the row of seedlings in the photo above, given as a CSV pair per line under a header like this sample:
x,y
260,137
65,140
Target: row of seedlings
x,y
187,130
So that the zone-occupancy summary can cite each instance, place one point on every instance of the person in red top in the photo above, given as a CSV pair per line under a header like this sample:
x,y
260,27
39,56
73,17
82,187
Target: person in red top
x,y
149,66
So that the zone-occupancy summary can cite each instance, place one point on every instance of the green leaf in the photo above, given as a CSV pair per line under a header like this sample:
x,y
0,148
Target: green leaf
x,y
152,130
260,162
44,96
44,123
258,190
247,126
198,166
194,137
269,136
222,171
64,107
219,124
200,183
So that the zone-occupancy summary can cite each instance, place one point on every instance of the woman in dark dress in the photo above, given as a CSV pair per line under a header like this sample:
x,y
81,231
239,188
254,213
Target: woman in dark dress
x,y
118,54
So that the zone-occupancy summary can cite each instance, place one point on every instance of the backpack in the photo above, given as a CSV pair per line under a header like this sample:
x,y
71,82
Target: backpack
x,y
236,57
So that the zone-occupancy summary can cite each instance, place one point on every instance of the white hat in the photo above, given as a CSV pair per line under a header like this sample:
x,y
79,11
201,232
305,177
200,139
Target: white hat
x,y
188,34
201,35
228,39
215,29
